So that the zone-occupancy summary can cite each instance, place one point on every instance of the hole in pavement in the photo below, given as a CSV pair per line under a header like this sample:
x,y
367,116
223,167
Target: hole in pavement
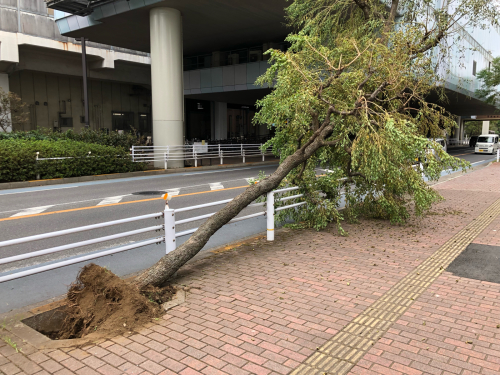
x,y
149,193
48,323
478,262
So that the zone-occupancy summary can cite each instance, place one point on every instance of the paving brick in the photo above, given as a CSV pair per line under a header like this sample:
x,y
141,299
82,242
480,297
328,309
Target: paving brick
x,y
152,367
264,308
109,370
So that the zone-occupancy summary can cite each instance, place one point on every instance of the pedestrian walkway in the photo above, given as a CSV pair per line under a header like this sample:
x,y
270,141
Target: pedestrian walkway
x,y
380,301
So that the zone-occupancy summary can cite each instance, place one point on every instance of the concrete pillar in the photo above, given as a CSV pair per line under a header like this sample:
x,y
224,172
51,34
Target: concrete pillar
x,y
167,80
486,127
4,86
459,132
220,120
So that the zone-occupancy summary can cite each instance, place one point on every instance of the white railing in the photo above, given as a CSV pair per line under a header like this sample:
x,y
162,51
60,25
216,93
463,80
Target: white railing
x,y
169,238
456,142
68,262
197,152
170,222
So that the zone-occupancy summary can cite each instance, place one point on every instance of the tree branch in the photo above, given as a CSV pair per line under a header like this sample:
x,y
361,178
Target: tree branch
x,y
365,8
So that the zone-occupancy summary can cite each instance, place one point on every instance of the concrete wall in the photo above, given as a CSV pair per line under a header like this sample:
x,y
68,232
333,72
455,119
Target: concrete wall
x,y
224,79
62,96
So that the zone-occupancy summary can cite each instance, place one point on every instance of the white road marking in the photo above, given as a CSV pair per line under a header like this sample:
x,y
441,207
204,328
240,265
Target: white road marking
x,y
216,186
38,190
173,192
32,211
100,199
111,200
194,174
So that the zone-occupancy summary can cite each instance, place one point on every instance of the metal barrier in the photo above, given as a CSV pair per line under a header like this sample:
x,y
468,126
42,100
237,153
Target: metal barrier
x,y
170,222
456,142
68,262
197,152
169,238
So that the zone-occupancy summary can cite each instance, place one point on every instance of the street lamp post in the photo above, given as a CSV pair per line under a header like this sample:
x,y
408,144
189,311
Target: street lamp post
x,y
85,84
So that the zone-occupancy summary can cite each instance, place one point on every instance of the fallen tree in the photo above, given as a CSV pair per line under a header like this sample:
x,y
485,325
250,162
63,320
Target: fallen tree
x,y
350,95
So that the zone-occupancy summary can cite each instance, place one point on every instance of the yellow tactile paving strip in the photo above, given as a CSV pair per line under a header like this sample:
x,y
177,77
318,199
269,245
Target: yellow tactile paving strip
x,y
339,355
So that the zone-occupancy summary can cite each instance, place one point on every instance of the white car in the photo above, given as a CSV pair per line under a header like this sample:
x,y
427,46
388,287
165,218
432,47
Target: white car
x,y
439,141
487,144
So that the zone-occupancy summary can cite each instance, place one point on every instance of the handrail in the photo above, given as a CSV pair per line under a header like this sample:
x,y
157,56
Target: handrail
x,y
168,226
64,232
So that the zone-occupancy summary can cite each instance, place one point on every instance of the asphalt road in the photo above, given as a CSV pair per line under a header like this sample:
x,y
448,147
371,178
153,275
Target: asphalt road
x,y
31,211
27,212
467,153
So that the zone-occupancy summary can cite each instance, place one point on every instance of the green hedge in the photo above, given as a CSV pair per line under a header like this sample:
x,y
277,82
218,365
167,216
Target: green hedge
x,y
126,140
18,159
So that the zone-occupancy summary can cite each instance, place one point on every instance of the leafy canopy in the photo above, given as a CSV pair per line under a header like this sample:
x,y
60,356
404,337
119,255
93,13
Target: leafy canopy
x,y
359,71
491,82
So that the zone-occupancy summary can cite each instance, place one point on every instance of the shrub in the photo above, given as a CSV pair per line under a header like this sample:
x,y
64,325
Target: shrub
x,y
126,140
18,159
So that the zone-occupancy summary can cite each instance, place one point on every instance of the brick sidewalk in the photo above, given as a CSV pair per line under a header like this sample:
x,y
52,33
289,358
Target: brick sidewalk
x,y
266,308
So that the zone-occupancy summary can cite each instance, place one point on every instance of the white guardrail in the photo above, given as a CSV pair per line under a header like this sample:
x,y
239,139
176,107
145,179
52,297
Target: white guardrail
x,y
197,152
456,142
169,237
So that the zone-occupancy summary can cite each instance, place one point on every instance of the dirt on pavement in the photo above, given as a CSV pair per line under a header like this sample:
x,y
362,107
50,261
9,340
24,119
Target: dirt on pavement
x,y
102,304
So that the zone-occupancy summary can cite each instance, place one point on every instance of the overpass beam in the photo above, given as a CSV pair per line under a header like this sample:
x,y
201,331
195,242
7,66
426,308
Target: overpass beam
x,y
166,80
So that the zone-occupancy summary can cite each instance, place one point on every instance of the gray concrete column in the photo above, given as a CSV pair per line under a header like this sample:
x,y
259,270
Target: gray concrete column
x,y
486,127
460,129
4,86
220,120
167,80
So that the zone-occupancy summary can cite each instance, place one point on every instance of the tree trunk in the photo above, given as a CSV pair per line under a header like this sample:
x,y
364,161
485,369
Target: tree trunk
x,y
171,262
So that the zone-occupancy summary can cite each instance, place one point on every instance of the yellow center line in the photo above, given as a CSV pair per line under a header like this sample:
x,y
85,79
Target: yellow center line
x,y
116,204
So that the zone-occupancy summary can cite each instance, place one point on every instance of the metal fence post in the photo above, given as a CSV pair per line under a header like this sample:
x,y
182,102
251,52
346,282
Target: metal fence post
x,y
262,152
170,243
270,216
36,166
195,159
165,159
221,157
243,153
133,153
498,155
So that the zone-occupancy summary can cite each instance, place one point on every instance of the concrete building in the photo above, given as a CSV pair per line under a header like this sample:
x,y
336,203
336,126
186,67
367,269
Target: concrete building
x,y
178,69
45,69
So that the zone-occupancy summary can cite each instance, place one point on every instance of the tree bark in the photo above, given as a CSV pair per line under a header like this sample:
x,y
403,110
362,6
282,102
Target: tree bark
x,y
166,267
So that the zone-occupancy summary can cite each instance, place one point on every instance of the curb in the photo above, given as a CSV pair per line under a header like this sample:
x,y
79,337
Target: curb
x,y
70,180
25,334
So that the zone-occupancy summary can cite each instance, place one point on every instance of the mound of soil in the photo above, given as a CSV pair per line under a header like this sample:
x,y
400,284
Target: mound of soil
x,y
101,304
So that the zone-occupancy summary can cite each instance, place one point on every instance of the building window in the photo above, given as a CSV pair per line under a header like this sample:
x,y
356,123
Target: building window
x,y
145,128
474,67
123,121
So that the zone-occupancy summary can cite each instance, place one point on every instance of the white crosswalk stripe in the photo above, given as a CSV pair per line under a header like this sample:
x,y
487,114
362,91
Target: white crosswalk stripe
x,y
173,192
32,211
111,200
216,186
